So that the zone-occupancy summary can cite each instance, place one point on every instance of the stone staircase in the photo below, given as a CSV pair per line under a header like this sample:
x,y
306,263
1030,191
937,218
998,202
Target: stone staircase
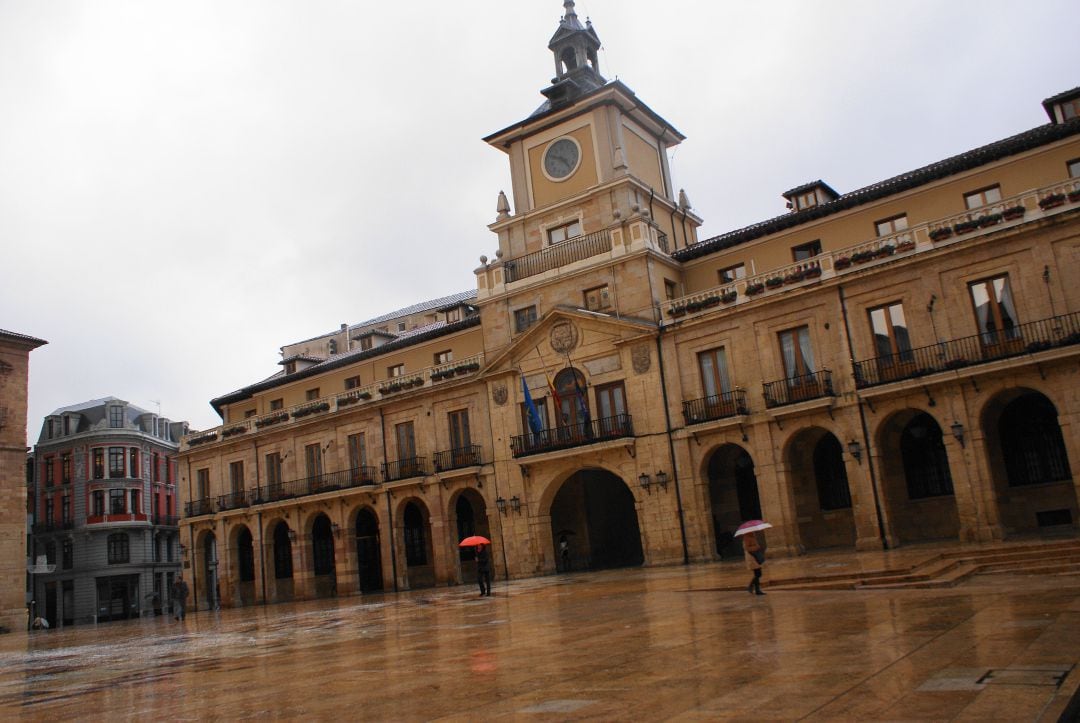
x,y
948,568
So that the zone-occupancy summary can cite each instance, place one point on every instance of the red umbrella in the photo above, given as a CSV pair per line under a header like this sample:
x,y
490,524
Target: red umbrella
x,y
474,541
752,526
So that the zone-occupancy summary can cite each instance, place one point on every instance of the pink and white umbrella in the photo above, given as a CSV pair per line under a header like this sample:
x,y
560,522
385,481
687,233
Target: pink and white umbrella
x,y
752,526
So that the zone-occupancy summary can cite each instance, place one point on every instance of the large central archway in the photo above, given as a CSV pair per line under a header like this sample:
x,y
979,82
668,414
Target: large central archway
x,y
594,510
469,515
820,486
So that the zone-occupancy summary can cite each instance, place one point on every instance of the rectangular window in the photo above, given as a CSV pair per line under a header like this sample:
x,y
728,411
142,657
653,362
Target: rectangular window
x,y
118,549
67,426
202,483
352,382
133,462
273,468
276,404
731,274
995,312
459,429
67,554
453,315
806,200
597,298
714,372
541,411
65,509
444,357
117,502
982,197
406,440
524,318
50,552
1074,168
357,451
99,463
48,471
889,226
116,462
366,343
564,232
236,476
891,340
611,401
671,290
97,500
136,500
401,326
65,468
155,463
116,417
802,252
168,470
398,370
49,517
311,394
796,353
313,459
249,413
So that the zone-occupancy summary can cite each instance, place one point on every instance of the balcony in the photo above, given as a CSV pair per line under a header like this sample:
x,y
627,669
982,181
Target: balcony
x,y
557,255
327,482
1035,336
405,468
233,500
457,458
165,520
717,406
574,435
199,507
799,389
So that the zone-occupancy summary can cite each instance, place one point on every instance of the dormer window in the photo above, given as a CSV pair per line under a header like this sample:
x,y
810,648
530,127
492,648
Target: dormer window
x,y
1063,107
116,417
809,195
290,367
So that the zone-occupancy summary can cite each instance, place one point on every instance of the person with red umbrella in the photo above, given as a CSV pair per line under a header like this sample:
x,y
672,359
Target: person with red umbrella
x,y
754,549
483,561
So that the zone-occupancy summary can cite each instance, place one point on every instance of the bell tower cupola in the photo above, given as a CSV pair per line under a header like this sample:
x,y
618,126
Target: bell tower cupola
x,y
577,63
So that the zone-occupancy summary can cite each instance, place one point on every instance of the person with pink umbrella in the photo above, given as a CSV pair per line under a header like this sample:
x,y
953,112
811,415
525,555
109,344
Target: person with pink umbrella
x,y
483,561
754,550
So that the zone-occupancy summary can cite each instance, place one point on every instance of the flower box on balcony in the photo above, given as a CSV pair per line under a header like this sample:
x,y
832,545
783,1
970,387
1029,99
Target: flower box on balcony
x,y
905,246
842,263
710,301
861,257
1074,196
364,395
883,251
774,282
275,419
346,401
1013,212
313,409
940,234
966,226
794,277
205,439
232,431
677,311
1052,201
729,297
812,272
990,219
754,289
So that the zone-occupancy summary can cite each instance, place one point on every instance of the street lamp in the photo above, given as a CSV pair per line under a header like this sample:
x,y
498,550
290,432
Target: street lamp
x,y
958,432
855,450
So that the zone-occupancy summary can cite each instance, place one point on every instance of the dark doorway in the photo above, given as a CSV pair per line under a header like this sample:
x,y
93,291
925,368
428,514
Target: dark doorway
x,y
117,597
733,494
245,565
368,555
68,604
470,513
283,565
1031,442
926,463
818,481
322,552
210,565
417,547
596,512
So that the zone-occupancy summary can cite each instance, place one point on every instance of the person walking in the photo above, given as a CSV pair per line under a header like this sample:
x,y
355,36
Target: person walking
x,y
179,597
483,570
564,553
755,560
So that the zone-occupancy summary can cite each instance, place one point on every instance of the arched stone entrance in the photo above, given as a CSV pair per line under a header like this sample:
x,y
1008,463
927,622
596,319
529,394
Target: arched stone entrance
x,y
733,495
210,593
469,517
368,551
1029,464
283,564
416,534
820,488
322,557
244,564
596,512
916,482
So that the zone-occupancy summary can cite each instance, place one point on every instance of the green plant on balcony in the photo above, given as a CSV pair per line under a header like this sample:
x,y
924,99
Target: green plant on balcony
x,y
677,311
272,419
905,246
990,219
1052,201
710,301
884,250
1074,196
842,262
794,277
205,439
1013,212
812,272
754,289
861,257
364,395
233,431
966,226
941,233
346,401
774,282
729,296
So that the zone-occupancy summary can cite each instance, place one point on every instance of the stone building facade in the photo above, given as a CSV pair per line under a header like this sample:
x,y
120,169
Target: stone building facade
x,y
14,375
892,364
104,512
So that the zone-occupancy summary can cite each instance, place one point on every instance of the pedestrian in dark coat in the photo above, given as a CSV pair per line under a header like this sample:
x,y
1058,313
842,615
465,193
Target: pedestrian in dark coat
x,y
755,560
483,569
179,597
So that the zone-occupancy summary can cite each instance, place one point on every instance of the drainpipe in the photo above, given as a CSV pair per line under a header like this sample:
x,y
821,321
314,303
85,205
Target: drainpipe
x,y
389,508
262,558
862,422
671,447
194,579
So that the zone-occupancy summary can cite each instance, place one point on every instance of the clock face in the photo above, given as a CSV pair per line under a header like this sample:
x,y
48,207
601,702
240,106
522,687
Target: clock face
x,y
561,158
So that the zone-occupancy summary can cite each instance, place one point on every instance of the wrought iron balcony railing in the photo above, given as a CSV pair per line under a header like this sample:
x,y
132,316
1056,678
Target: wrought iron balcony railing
x,y
1035,336
199,507
233,500
457,458
405,468
573,435
326,482
798,389
556,255
717,406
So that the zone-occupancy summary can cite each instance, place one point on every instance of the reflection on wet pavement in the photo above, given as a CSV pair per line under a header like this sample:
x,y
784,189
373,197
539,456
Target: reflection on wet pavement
x,y
647,644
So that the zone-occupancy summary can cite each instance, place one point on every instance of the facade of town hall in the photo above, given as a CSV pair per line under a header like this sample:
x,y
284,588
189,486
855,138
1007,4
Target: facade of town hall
x,y
873,368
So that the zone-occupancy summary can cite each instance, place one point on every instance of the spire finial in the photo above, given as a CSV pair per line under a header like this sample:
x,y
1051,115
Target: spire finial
x,y
569,6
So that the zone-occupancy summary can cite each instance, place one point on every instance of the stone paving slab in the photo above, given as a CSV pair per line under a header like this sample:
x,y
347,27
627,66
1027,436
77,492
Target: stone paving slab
x,y
644,644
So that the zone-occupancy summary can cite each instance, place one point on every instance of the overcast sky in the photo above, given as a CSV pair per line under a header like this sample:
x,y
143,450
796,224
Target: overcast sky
x,y
185,186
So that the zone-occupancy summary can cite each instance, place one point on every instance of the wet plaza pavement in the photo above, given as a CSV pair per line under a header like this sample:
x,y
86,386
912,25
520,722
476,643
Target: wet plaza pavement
x,y
663,643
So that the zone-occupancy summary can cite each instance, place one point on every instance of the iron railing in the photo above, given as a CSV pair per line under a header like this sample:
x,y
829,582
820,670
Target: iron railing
x,y
457,458
233,500
199,507
556,255
405,468
799,389
326,482
716,406
573,435
1034,336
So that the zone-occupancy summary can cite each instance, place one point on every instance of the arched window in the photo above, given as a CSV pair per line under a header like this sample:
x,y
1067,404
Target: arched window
x,y
573,399
926,464
1031,442
569,59
118,548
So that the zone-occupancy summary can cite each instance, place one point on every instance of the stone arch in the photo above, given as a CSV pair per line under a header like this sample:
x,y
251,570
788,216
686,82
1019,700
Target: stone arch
x,y
467,514
819,487
1029,466
207,593
596,512
368,535
242,550
281,571
733,494
323,568
417,547
916,477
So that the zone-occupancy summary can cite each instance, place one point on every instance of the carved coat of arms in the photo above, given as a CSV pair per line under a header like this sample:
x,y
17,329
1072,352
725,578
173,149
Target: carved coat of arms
x,y
500,394
642,358
563,337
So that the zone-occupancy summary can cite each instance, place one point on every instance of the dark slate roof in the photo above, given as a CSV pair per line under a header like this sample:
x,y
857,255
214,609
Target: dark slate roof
x,y
301,357
807,186
406,339
21,337
1039,136
1064,95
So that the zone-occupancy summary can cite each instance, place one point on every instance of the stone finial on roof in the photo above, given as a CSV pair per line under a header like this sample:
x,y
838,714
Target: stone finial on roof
x,y
503,207
684,200
570,16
